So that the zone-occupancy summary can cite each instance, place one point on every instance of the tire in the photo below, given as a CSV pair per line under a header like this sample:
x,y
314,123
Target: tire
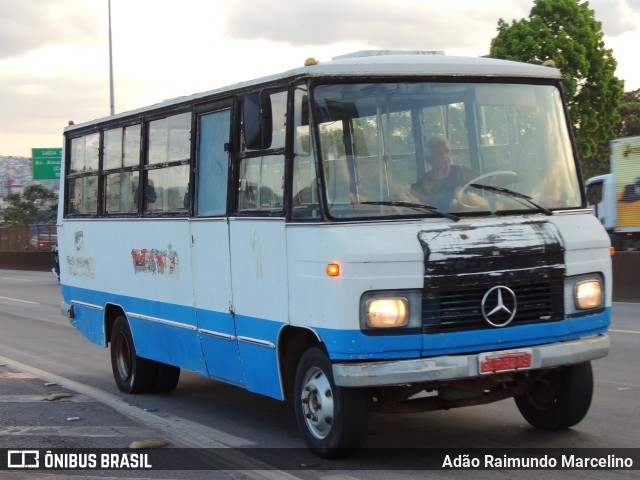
x,y
332,420
560,399
167,378
132,373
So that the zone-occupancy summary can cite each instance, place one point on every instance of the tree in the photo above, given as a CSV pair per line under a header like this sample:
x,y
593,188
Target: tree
x,y
567,32
36,204
629,125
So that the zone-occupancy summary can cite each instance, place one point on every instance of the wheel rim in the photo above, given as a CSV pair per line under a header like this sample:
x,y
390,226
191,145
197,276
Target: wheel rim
x,y
317,403
543,394
123,356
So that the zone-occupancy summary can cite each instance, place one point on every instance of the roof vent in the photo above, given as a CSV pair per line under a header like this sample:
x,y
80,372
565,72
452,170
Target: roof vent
x,y
381,53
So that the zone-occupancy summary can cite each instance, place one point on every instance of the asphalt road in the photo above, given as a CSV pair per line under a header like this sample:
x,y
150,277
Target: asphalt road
x,y
36,339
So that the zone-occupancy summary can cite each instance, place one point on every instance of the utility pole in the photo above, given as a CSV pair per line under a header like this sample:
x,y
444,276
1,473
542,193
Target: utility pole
x,y
111,65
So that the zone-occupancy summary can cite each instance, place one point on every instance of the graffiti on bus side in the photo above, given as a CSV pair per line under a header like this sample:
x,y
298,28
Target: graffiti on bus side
x,y
155,261
80,267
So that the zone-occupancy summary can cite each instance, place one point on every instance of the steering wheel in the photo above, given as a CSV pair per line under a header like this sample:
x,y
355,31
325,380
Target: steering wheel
x,y
504,177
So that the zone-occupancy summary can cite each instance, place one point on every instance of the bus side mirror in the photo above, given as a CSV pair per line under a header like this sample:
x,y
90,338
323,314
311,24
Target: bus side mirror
x,y
257,120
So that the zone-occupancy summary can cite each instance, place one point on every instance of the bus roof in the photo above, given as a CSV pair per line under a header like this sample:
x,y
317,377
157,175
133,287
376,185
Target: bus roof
x,y
370,64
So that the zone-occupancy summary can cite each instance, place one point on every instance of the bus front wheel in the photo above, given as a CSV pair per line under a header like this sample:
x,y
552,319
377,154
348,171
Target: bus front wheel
x,y
333,420
132,373
558,400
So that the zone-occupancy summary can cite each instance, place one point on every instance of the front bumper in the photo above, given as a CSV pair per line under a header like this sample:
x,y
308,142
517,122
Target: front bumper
x,y
456,367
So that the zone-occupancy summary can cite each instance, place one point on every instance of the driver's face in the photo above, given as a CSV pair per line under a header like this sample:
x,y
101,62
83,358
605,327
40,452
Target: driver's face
x,y
439,156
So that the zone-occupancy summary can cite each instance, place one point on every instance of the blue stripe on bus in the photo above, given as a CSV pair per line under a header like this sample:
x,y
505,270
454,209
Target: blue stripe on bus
x,y
354,345
253,362
169,333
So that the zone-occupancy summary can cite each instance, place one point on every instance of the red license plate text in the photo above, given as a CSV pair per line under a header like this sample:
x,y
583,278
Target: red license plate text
x,y
505,362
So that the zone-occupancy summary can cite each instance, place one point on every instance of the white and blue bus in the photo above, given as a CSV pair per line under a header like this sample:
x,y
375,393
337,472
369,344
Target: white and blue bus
x,y
381,232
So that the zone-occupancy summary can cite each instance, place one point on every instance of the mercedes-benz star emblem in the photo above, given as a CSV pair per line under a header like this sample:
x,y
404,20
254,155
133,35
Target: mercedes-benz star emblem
x,y
502,305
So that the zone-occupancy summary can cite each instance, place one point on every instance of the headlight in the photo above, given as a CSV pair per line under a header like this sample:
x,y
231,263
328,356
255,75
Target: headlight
x,y
588,294
387,312
397,311
583,293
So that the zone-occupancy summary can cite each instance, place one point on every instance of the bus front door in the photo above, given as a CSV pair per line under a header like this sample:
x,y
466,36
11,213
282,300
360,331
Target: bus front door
x,y
210,249
260,301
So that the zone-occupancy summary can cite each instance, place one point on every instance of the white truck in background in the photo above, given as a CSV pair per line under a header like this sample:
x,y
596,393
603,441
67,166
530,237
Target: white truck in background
x,y
615,197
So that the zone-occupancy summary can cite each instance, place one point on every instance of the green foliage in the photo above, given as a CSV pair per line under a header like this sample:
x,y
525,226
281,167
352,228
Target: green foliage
x,y
629,125
36,204
567,32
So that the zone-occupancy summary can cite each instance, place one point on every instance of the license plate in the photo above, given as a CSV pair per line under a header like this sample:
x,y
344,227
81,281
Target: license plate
x,y
505,361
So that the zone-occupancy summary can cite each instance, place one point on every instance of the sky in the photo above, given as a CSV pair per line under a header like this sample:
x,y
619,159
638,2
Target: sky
x,y
54,54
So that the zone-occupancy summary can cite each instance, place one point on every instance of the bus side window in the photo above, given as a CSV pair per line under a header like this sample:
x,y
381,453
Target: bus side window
x,y
168,163
261,183
305,204
213,163
121,169
82,196
261,170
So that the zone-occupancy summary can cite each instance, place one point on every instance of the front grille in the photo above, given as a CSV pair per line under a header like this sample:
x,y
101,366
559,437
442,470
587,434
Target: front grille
x,y
459,310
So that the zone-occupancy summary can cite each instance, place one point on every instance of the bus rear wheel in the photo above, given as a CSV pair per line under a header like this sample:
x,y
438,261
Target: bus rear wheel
x,y
560,399
333,420
132,373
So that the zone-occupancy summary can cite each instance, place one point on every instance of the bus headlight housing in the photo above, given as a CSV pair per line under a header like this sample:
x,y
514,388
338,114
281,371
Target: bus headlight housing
x,y
390,309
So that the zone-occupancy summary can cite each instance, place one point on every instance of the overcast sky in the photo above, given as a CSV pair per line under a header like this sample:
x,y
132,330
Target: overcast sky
x,y
54,57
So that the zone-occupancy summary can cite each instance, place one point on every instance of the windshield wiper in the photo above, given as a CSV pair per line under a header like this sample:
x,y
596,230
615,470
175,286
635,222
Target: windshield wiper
x,y
416,206
513,194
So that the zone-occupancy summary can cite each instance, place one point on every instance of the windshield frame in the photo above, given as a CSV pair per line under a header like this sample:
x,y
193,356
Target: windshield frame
x,y
567,160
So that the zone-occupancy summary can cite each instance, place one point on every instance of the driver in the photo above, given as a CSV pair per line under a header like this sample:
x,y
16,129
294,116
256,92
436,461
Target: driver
x,y
439,186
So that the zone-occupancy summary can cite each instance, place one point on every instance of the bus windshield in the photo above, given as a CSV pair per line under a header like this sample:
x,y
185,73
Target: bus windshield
x,y
427,148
